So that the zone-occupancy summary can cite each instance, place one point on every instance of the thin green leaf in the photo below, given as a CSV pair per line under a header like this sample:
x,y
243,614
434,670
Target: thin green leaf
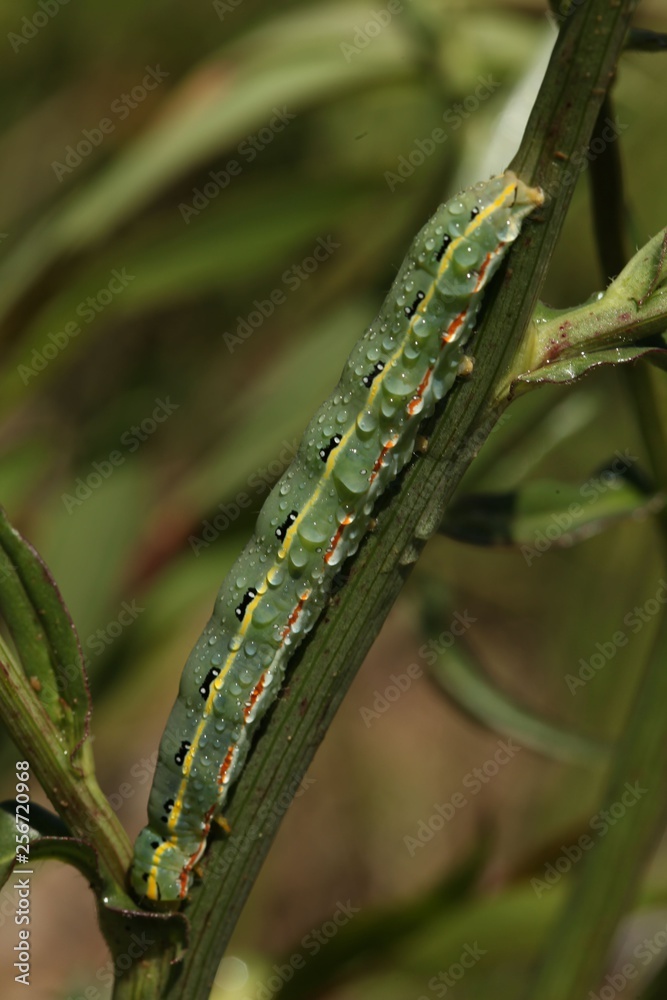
x,y
45,637
287,66
61,760
43,837
567,370
645,40
30,645
548,513
458,674
565,344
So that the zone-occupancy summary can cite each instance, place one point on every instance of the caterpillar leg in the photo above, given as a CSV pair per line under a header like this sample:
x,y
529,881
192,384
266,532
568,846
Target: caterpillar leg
x,y
466,365
223,824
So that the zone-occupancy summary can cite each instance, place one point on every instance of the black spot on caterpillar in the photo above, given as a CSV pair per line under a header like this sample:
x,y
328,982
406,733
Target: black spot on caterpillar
x,y
286,525
411,310
249,596
167,808
446,240
208,680
333,443
179,756
368,379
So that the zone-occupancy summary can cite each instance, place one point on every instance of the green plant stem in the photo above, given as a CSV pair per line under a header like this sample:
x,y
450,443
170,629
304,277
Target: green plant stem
x,y
71,788
651,412
606,177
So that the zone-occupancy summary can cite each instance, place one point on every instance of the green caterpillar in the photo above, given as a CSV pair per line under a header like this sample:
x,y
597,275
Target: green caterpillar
x,y
315,517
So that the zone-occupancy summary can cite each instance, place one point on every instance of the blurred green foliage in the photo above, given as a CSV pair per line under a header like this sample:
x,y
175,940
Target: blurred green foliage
x,y
136,451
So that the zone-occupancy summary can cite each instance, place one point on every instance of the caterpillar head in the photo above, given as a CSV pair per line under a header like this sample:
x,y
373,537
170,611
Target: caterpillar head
x,y
161,871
